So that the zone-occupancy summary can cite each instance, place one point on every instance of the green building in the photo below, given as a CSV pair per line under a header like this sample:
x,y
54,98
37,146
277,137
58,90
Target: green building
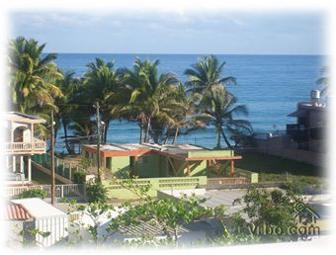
x,y
152,160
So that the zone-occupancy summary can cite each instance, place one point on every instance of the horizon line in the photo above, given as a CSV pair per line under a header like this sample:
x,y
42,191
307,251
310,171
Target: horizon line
x,y
143,53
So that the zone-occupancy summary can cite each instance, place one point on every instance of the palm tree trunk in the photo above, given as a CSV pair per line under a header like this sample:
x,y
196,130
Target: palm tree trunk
x,y
65,129
107,123
147,130
218,131
176,134
226,139
141,131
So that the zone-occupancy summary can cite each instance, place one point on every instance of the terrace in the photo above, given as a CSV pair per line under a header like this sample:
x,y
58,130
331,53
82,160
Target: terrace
x,y
21,145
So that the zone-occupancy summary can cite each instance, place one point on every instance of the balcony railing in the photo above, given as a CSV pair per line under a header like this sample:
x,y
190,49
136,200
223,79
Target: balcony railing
x,y
21,147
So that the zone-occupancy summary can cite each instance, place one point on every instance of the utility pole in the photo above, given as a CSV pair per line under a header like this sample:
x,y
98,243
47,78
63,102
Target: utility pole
x,y
98,139
52,157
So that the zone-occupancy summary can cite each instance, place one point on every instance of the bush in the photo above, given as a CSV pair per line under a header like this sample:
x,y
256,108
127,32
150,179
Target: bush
x,y
79,177
33,193
96,192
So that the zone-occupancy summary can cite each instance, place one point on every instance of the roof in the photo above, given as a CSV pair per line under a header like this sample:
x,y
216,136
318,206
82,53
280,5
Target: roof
x,y
305,107
188,152
21,117
38,208
145,229
16,212
213,198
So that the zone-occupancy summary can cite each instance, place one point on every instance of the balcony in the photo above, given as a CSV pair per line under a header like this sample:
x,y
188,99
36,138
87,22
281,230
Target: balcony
x,y
36,147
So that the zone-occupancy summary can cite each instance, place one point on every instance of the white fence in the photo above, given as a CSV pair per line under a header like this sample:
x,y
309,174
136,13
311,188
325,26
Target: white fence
x,y
61,191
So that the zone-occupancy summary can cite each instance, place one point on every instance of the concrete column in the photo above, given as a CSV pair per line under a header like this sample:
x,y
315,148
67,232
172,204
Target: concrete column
x,y
11,132
21,165
32,133
14,164
29,169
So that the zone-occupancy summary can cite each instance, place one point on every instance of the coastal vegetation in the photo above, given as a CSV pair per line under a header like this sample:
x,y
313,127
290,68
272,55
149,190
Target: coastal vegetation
x,y
162,105
274,209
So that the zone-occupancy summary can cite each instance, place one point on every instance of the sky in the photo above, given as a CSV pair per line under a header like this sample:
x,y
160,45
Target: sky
x,y
174,32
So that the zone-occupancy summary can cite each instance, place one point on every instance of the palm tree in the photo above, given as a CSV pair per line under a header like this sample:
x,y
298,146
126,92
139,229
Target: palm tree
x,y
102,83
69,85
33,77
174,108
218,107
207,72
149,94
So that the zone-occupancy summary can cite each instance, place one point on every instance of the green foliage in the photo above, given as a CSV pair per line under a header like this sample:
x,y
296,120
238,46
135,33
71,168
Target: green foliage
x,y
40,193
213,103
96,192
167,215
275,209
79,177
33,78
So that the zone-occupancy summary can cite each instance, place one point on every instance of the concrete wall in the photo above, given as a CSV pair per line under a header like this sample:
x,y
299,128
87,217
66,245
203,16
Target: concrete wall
x,y
280,146
117,190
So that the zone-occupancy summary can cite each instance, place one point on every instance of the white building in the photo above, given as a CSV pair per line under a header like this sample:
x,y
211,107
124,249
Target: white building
x,y
50,223
20,146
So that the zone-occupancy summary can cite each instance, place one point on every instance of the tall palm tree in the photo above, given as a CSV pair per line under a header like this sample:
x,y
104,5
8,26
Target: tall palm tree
x,y
69,85
218,107
33,77
102,83
207,72
149,92
172,117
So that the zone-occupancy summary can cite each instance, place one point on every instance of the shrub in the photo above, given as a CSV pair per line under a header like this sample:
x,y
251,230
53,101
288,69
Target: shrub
x,y
96,192
79,177
33,193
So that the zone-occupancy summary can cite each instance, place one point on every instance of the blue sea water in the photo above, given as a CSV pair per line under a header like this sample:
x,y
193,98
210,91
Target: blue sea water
x,y
269,85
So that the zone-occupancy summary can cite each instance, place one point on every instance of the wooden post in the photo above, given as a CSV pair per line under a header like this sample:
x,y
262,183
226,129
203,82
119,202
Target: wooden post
x,y
232,168
188,168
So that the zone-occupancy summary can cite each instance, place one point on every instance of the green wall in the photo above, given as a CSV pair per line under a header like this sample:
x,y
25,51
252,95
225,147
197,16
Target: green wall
x,y
209,153
199,168
119,164
116,190
148,166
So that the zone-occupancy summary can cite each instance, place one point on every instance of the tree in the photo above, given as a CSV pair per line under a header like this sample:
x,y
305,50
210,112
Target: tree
x,y
33,77
102,83
266,210
207,72
69,85
149,93
175,106
218,107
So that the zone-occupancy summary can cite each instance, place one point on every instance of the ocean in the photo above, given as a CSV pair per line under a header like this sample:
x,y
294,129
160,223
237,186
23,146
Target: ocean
x,y
269,85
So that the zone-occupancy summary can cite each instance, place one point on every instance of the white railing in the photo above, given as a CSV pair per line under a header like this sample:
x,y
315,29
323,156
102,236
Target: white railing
x,y
37,145
61,191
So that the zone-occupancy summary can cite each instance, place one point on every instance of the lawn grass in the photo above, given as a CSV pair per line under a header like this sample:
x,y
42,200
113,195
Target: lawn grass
x,y
277,169
262,163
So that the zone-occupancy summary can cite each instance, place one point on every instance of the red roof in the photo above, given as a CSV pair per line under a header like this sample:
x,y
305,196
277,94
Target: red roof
x,y
16,212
